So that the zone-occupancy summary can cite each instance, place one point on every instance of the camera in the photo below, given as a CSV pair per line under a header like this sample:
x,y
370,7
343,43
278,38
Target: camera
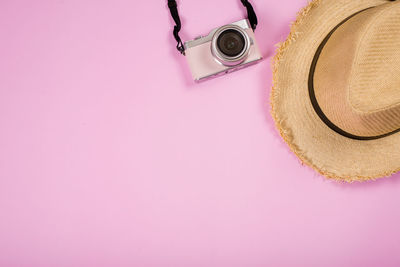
x,y
223,50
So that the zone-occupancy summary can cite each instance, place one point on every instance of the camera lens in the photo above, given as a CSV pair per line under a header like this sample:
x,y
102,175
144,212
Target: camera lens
x,y
231,43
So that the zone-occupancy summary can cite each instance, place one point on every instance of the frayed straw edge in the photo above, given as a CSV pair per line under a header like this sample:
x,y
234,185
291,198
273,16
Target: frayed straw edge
x,y
285,132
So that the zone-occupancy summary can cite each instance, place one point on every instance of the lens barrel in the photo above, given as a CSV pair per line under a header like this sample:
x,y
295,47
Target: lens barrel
x,y
231,43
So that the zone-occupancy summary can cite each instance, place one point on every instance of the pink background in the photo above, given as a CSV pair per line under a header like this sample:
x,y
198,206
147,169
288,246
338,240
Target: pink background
x,y
111,156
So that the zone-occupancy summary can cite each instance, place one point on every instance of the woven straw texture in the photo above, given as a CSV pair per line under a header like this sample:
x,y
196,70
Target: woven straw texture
x,y
318,146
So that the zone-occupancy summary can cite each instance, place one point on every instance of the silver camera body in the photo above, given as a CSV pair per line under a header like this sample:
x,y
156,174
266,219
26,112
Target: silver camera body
x,y
223,50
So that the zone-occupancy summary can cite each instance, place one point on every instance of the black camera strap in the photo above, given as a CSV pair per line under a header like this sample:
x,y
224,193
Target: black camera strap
x,y
173,7
251,15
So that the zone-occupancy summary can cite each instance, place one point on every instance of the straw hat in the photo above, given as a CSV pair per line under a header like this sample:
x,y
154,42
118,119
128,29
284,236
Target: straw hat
x,y
336,93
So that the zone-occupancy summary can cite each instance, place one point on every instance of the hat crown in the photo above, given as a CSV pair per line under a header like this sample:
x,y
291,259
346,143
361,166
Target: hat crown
x,y
374,83
357,74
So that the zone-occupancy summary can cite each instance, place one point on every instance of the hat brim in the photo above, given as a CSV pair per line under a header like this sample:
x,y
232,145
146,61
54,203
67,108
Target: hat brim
x,y
331,154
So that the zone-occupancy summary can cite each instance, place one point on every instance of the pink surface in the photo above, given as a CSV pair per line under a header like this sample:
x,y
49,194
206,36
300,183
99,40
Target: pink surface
x,y
111,156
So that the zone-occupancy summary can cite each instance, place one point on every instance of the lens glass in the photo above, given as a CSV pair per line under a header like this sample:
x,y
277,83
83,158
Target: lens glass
x,y
231,43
